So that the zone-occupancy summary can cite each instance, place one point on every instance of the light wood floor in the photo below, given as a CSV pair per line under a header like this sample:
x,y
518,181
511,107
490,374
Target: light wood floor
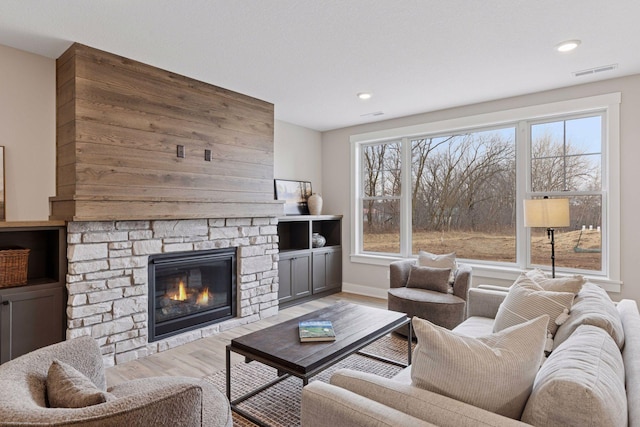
x,y
206,356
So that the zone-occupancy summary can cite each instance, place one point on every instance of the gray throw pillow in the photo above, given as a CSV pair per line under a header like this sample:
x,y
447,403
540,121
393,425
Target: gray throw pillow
x,y
431,279
69,388
494,372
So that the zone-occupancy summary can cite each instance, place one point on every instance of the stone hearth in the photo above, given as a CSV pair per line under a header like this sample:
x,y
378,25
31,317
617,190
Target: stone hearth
x,y
107,277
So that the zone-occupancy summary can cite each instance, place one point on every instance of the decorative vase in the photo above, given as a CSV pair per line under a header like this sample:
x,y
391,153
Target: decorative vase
x,y
314,202
318,240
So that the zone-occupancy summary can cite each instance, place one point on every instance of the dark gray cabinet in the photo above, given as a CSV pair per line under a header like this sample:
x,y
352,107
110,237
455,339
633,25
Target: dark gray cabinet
x,y
327,269
307,272
33,315
295,276
30,318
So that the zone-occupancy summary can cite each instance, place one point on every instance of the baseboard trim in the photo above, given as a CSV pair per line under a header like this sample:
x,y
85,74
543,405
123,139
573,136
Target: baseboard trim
x,y
367,291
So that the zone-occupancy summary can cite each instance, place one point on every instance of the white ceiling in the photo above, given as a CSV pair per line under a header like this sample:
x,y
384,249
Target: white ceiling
x,y
311,58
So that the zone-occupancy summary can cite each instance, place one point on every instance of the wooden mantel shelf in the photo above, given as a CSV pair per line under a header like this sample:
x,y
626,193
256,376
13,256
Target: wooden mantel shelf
x,y
25,224
87,209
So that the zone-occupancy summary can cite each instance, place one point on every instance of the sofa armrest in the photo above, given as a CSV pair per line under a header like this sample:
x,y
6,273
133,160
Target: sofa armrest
x,y
494,287
144,402
419,403
484,302
399,272
328,405
462,281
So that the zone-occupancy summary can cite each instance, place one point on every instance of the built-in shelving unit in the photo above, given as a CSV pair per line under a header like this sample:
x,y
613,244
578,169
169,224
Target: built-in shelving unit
x,y
33,315
307,272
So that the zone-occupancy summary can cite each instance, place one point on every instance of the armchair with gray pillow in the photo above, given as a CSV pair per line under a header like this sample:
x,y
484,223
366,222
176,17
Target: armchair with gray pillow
x,y
71,374
429,297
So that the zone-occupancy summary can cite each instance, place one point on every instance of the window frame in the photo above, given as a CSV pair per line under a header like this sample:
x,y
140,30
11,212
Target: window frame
x,y
522,118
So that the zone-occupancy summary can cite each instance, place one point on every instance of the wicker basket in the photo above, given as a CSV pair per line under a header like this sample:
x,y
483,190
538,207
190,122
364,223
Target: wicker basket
x,y
13,266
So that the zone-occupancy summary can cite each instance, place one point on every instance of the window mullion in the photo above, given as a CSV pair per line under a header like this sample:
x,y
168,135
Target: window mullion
x,y
405,201
523,184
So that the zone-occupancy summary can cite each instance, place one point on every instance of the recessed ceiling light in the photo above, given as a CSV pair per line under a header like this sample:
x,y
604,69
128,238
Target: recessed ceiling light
x,y
364,95
567,46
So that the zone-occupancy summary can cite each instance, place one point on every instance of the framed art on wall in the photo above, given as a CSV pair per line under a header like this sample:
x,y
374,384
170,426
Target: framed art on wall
x,y
294,194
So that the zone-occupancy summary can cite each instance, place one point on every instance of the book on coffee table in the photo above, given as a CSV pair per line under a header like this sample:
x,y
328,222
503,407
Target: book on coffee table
x,y
316,330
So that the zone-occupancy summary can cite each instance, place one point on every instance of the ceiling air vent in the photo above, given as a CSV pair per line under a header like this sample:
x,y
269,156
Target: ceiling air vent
x,y
595,70
376,113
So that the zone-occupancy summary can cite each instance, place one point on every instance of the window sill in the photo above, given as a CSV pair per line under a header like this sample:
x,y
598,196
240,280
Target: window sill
x,y
487,272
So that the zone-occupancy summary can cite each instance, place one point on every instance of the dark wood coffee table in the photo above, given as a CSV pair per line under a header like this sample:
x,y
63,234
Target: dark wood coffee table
x,y
279,346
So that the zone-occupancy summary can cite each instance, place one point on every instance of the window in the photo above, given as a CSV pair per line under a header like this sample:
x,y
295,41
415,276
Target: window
x,y
459,185
463,194
381,166
566,161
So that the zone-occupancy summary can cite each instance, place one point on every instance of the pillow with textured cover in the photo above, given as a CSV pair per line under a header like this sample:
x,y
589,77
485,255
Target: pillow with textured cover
x,y
527,300
592,306
493,372
559,284
431,279
69,388
427,259
582,383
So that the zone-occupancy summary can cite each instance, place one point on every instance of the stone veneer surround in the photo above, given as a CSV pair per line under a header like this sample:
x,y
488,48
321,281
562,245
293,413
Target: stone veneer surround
x,y
107,277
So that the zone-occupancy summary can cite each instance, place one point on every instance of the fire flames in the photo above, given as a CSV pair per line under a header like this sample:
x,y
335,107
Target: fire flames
x,y
183,293
203,297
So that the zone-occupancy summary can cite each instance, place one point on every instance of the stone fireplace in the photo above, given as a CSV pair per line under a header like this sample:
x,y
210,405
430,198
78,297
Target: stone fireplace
x,y
108,275
149,163
190,290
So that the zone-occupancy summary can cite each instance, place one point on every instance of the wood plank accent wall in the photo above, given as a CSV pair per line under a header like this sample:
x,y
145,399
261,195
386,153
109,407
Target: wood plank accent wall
x,y
119,123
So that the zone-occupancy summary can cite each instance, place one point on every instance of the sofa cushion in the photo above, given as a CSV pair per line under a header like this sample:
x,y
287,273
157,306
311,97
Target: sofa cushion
x,y
69,388
527,300
592,306
582,383
429,278
571,284
427,259
494,372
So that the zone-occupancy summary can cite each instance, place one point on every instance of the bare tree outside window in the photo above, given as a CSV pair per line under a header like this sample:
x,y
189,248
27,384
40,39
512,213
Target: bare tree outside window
x,y
463,192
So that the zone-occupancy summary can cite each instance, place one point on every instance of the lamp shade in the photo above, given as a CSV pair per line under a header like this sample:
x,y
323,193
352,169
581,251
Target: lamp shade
x,y
547,213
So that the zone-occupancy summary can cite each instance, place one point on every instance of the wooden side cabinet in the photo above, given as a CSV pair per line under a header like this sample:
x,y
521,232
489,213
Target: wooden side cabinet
x,y
33,315
306,272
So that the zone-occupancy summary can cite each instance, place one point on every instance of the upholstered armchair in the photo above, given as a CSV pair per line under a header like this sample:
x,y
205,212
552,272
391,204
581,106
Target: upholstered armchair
x,y
442,308
170,401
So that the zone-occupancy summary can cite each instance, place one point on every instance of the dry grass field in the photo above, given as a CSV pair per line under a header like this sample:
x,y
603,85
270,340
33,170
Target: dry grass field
x,y
499,247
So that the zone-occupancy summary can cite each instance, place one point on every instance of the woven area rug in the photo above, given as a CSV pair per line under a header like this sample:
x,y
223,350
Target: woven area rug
x,y
279,405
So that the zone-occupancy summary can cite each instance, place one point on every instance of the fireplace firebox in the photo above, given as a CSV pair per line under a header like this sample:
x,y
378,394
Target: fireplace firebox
x,y
189,290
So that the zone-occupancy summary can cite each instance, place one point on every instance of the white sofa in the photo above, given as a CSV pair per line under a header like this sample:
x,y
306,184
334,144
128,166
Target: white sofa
x,y
362,399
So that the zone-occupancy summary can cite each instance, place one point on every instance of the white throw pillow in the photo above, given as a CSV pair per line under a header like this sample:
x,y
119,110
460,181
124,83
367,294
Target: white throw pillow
x,y
559,284
527,300
427,259
493,372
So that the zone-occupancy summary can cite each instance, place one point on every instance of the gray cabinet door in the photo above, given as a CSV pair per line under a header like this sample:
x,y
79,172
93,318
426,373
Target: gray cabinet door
x,y
30,319
294,276
327,270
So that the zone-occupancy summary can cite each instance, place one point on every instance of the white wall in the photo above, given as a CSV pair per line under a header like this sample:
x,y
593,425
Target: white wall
x,y
28,131
298,154
372,279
